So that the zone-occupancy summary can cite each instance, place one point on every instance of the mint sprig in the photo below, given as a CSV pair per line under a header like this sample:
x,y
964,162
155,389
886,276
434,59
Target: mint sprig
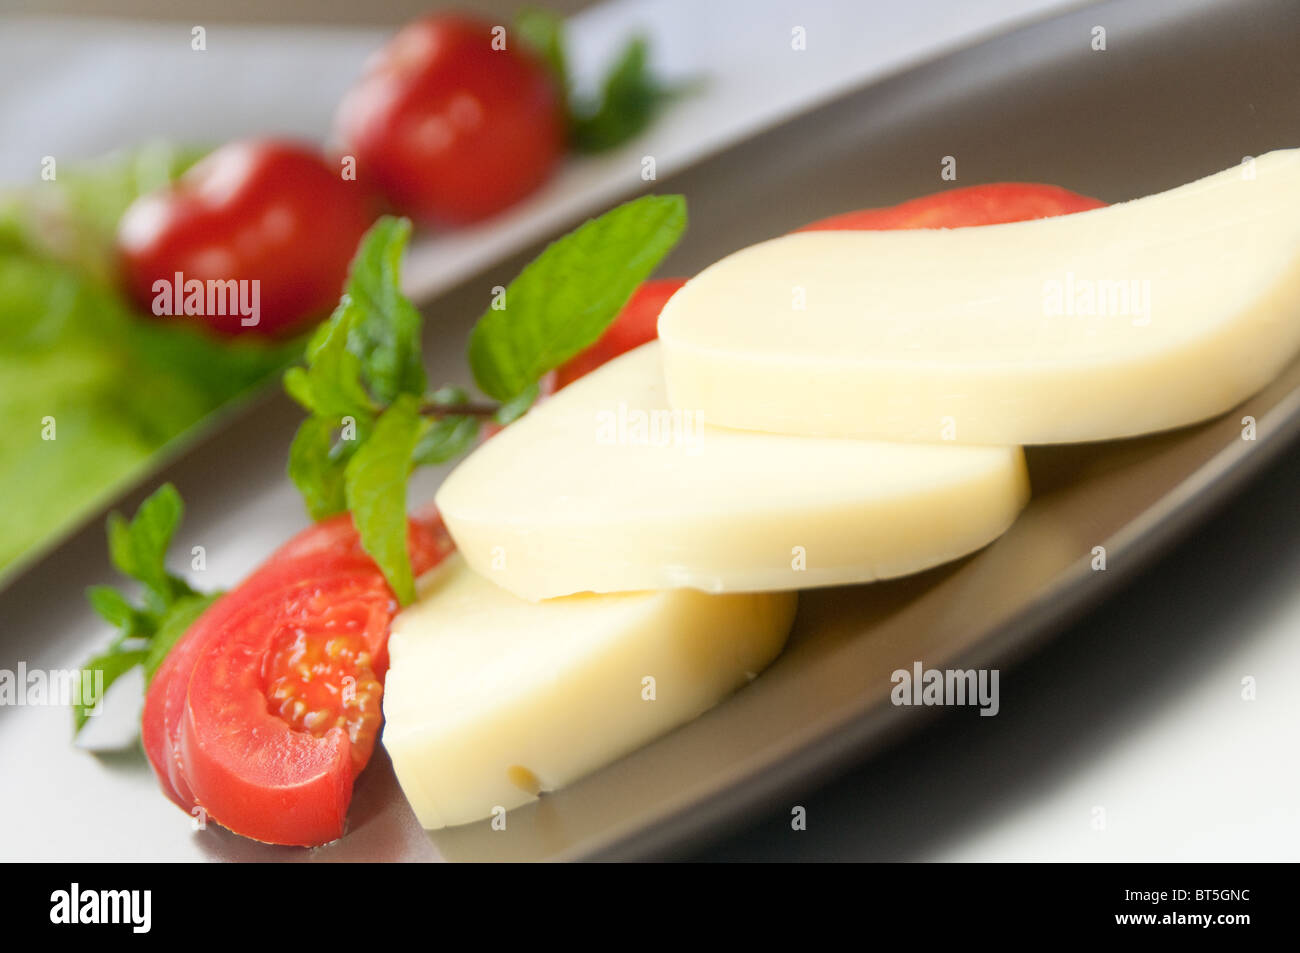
x,y
372,421
375,485
562,301
138,549
630,95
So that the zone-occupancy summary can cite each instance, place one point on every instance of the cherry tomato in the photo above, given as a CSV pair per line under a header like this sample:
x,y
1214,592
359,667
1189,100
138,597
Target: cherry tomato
x,y
992,204
269,706
450,129
270,212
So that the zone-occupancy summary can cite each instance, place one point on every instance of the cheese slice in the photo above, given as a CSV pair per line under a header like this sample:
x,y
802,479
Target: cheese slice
x,y
602,488
1124,320
490,699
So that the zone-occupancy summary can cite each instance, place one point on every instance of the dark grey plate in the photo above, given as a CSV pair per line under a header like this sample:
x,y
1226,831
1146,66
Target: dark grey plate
x,y
1183,89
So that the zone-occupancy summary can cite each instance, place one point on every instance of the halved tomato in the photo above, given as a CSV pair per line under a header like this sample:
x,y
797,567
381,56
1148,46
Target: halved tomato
x,y
268,708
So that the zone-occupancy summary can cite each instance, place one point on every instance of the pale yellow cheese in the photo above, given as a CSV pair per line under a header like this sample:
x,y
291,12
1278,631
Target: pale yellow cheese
x,y
1138,317
602,489
490,699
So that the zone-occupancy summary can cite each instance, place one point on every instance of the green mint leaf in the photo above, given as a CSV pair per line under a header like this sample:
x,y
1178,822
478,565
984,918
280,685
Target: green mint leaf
x,y
139,548
359,361
384,331
113,664
543,32
183,613
375,483
630,99
316,467
512,410
565,298
114,608
331,383
630,96
447,396
449,437
297,384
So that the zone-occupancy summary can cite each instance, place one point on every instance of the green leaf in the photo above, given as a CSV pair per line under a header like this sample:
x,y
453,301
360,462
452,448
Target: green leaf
x,y
449,437
385,326
175,621
543,32
331,386
316,469
630,95
630,99
114,608
565,298
376,491
512,410
448,396
139,548
113,664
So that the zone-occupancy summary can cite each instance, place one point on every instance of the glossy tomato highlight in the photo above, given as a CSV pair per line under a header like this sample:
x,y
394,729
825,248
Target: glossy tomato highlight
x,y
275,218
451,127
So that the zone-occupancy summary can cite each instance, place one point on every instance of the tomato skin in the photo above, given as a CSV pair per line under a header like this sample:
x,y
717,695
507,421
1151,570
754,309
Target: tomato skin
x,y
316,773
269,211
993,204
450,130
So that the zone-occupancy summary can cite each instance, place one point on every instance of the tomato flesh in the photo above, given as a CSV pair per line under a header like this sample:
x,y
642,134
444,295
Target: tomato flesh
x,y
269,707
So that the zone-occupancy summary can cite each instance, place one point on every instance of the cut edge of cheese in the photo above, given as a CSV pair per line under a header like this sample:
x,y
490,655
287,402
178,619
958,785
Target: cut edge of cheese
x,y
546,510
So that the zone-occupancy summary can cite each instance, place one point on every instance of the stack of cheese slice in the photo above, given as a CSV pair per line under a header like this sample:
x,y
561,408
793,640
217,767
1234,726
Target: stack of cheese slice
x,y
628,559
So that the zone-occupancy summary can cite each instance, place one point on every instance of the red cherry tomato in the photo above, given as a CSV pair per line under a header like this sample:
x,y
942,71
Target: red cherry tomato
x,y
450,129
992,204
269,706
274,213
